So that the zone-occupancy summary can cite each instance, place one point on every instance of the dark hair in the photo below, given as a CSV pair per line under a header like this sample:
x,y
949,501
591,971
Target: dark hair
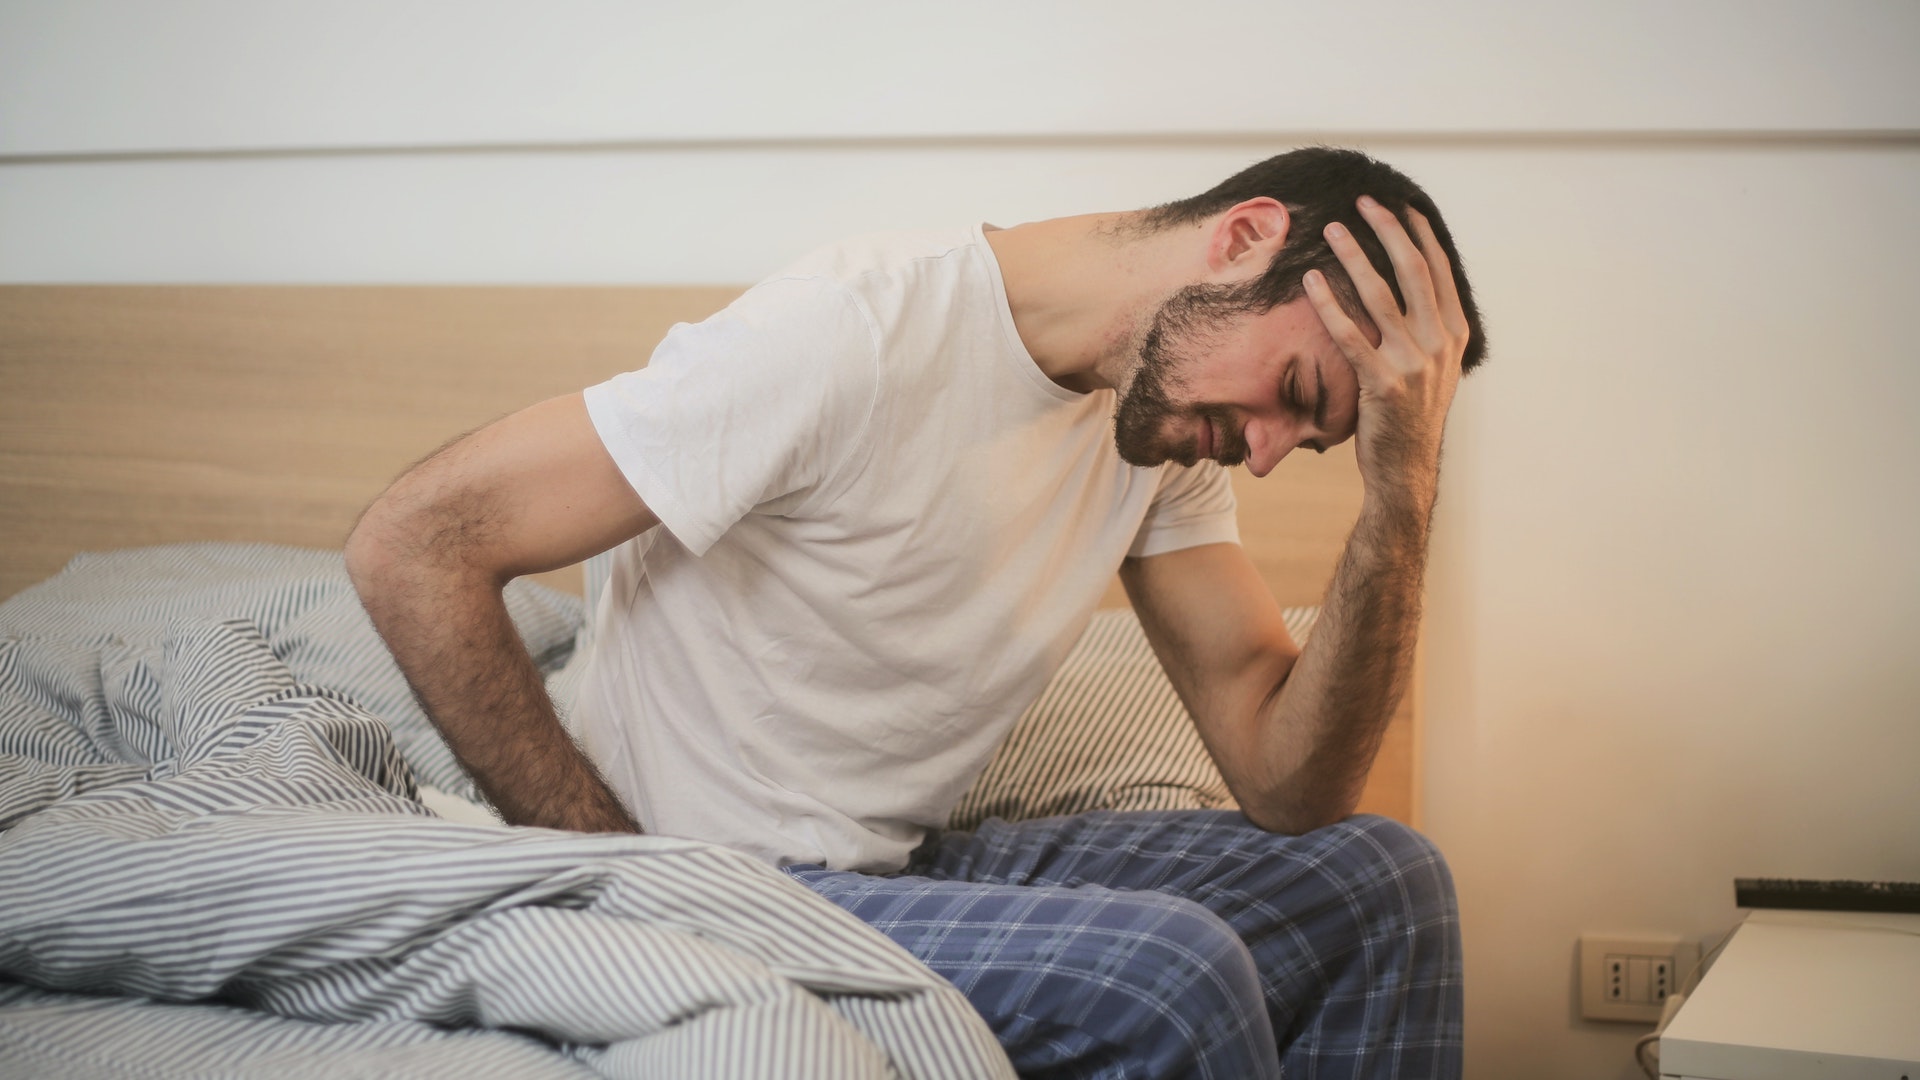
x,y
1320,185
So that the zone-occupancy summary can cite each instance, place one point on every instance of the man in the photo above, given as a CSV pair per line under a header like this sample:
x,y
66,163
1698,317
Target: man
x,y
864,513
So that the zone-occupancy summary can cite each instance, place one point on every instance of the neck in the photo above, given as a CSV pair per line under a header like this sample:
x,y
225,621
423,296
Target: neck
x,y
1081,287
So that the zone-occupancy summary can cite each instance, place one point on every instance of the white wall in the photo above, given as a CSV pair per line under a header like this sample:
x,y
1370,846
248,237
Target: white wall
x,y
102,75
1673,581
1674,591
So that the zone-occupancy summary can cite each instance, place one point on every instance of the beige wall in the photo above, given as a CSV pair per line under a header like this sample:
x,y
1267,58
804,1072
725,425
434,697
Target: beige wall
x,y
1674,589
1673,580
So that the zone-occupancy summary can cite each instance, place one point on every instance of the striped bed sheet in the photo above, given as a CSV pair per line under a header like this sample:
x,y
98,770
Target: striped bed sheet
x,y
214,862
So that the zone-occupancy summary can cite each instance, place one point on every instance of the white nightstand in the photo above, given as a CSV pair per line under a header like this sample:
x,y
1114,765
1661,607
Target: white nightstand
x,y
1804,994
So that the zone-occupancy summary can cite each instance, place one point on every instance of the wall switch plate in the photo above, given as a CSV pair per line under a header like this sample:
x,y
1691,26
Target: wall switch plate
x,y
1630,978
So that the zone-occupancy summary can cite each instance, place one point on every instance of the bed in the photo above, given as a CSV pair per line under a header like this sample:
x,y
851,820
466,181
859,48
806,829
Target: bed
x,y
232,843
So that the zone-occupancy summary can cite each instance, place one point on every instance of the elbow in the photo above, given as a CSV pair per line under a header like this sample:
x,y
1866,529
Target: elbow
x,y
1298,816
407,542
393,542
370,550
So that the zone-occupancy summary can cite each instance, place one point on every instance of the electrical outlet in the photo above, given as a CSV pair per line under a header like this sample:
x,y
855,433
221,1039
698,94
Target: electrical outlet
x,y
1630,978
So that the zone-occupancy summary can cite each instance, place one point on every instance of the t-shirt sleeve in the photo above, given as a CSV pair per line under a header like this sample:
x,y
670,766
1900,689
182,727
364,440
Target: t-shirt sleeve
x,y
763,400
1193,506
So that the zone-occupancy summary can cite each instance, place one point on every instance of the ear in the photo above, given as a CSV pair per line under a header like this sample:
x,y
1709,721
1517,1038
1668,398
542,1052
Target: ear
x,y
1246,237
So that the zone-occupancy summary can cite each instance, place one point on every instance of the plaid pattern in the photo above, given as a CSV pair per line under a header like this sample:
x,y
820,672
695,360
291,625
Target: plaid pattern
x,y
1188,943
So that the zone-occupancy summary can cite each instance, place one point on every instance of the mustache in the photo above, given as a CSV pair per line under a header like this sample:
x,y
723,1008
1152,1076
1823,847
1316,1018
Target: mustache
x,y
1231,438
1182,328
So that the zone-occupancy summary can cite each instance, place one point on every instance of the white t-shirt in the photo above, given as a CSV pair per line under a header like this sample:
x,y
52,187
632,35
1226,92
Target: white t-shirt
x,y
884,527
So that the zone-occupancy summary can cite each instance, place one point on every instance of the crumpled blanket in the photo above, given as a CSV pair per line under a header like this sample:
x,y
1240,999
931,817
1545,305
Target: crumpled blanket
x,y
214,866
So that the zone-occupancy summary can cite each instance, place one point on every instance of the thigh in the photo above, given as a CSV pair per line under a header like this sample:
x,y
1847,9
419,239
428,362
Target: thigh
x,y
1186,852
1352,928
1082,982
1261,883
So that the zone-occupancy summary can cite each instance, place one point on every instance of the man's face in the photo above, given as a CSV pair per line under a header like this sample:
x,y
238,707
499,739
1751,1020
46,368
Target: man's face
x,y
1214,381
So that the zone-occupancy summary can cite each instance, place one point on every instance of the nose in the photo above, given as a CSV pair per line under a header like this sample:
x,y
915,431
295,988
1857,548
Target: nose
x,y
1268,441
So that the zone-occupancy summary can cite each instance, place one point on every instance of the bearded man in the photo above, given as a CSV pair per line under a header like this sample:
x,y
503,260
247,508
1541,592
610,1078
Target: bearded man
x,y
861,516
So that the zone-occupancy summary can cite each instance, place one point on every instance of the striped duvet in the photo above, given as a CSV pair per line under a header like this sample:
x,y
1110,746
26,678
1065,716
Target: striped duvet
x,y
213,863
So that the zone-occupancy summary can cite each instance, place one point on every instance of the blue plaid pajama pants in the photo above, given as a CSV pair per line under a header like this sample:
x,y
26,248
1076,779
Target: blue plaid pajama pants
x,y
1185,944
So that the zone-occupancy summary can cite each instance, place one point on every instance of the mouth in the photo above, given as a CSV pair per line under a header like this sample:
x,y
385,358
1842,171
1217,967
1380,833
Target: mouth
x,y
1211,442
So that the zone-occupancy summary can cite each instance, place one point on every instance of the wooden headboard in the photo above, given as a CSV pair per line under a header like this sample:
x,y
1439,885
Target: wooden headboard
x,y
135,415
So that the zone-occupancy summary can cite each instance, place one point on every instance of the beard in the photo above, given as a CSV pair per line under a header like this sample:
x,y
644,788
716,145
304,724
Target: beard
x,y
1181,329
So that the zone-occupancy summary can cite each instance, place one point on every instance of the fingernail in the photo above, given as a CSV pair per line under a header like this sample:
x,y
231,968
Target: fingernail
x,y
1336,229
1367,200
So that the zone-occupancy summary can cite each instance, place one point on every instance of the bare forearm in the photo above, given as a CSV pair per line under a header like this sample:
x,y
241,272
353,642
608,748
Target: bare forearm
x,y
452,636
1323,727
534,491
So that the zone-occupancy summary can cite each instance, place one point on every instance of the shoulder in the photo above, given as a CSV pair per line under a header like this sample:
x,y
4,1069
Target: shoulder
x,y
792,315
858,260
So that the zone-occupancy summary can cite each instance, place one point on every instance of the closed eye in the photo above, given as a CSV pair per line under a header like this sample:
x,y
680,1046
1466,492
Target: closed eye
x,y
1298,405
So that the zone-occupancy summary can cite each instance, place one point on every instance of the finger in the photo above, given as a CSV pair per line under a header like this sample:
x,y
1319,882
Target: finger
x,y
1409,265
1446,293
1346,334
1375,296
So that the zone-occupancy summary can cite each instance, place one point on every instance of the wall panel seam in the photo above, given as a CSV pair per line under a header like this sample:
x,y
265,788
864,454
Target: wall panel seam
x,y
1490,140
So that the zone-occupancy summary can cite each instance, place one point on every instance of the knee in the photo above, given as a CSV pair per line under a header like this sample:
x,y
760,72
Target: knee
x,y
1389,884
1189,952
1408,864
1163,951
1196,992
1150,977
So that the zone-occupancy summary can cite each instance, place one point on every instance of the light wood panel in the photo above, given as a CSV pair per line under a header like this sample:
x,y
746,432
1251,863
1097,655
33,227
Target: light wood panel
x,y
145,415
134,415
